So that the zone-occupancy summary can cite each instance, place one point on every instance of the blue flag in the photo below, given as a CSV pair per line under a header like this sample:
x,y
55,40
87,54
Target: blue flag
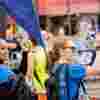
x,y
26,16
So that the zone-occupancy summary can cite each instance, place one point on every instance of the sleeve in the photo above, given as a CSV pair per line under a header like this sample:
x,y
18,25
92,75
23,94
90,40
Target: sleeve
x,y
77,71
5,73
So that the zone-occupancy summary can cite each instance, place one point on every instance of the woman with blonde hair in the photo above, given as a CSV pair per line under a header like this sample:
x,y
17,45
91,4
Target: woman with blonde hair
x,y
37,68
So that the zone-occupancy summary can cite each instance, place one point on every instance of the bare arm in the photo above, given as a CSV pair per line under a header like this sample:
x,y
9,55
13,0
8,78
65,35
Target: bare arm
x,y
29,66
8,45
92,71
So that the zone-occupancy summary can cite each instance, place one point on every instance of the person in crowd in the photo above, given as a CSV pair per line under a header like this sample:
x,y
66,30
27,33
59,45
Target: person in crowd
x,y
12,84
4,44
15,54
37,67
60,54
69,75
7,77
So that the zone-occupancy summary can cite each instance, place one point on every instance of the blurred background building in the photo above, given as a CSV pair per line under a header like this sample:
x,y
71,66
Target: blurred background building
x,y
66,14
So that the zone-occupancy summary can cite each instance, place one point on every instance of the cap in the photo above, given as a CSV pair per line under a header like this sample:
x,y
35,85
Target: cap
x,y
68,44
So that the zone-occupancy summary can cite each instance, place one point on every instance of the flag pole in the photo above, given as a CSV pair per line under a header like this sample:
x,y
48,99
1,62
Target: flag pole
x,y
35,8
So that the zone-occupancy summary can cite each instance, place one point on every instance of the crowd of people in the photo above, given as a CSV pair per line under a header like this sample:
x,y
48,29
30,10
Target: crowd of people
x,y
27,68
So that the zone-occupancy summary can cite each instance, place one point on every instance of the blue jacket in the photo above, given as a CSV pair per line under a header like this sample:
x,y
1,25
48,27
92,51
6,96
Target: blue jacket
x,y
7,77
69,76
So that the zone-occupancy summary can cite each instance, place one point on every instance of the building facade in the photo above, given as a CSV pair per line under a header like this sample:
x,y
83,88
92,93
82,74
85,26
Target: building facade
x,y
66,13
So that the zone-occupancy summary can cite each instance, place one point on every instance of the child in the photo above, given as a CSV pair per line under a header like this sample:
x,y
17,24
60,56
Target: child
x,y
69,75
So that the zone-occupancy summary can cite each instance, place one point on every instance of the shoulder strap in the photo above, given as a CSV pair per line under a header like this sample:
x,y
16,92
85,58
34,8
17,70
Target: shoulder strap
x,y
82,84
77,93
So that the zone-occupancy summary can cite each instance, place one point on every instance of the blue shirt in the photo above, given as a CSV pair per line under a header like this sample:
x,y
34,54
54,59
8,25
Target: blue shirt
x,y
76,73
5,73
69,76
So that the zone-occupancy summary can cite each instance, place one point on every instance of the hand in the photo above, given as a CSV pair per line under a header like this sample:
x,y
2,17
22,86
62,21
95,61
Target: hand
x,y
91,71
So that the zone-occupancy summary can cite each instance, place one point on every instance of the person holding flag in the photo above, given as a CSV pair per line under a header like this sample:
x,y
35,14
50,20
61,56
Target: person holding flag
x,y
26,17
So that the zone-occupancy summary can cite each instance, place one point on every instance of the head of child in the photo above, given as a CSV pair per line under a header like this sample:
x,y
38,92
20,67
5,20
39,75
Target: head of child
x,y
67,52
62,52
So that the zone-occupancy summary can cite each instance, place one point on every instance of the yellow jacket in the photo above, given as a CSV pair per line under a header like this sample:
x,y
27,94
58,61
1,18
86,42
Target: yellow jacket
x,y
40,74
